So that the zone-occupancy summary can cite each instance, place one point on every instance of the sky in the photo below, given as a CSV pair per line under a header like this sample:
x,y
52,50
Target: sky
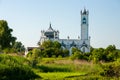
x,y
28,17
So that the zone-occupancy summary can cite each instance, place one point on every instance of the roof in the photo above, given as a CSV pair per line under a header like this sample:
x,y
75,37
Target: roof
x,y
84,12
50,29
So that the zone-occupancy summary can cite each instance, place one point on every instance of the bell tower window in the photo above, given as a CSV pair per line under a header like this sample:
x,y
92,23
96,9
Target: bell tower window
x,y
84,20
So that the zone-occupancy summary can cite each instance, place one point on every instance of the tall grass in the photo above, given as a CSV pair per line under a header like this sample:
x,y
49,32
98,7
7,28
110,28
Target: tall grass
x,y
66,65
65,69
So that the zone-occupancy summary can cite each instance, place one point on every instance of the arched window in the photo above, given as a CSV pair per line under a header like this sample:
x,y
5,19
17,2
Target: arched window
x,y
84,20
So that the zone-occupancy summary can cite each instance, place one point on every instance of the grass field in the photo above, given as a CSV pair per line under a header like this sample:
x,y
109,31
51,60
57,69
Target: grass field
x,y
72,76
66,69
60,75
53,69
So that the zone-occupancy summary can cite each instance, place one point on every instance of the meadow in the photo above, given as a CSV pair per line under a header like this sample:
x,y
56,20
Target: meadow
x,y
14,67
66,69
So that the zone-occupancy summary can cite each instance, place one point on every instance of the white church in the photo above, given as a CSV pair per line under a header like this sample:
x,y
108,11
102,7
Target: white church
x,y
83,44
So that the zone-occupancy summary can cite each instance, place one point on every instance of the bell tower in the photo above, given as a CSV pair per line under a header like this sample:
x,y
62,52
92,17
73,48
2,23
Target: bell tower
x,y
84,24
85,46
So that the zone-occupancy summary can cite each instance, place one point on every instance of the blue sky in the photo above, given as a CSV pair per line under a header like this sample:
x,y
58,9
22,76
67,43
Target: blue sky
x,y
28,17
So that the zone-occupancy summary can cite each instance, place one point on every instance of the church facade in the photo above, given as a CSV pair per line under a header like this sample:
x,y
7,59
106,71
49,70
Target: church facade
x,y
83,44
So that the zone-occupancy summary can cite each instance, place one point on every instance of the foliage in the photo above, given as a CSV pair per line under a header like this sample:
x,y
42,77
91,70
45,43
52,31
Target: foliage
x,y
97,54
111,70
15,68
51,48
77,54
111,48
18,47
8,42
74,49
6,38
34,56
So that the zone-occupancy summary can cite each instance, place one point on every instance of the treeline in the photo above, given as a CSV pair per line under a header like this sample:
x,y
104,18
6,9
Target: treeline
x,y
54,49
97,54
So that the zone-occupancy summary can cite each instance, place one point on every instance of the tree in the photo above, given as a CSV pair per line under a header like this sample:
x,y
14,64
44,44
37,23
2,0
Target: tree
x,y
98,54
53,48
47,44
65,52
111,48
111,53
34,56
74,49
6,38
76,55
18,47
56,44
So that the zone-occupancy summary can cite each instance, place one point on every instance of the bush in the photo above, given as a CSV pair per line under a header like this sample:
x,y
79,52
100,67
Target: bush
x,y
16,73
34,56
111,70
59,56
75,56
79,55
15,68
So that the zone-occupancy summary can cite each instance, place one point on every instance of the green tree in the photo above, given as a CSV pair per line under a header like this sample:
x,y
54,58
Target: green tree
x,y
53,48
91,49
56,44
111,48
47,44
6,38
110,56
76,55
48,52
65,52
74,49
18,47
111,53
98,54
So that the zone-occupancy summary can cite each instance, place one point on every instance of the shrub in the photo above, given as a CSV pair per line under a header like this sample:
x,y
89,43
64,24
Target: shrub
x,y
111,70
15,68
79,55
59,56
34,56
